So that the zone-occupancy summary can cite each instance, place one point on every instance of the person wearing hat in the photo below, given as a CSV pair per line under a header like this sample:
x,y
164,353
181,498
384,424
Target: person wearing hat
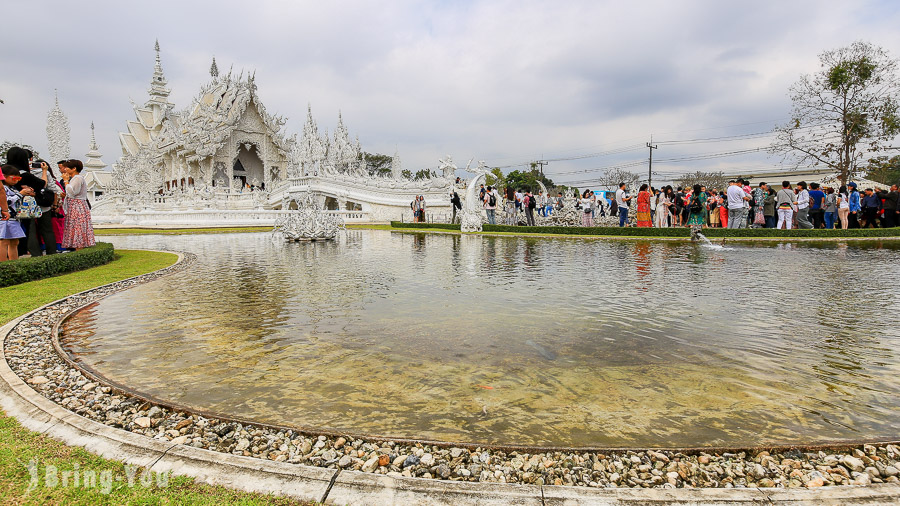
x,y
855,206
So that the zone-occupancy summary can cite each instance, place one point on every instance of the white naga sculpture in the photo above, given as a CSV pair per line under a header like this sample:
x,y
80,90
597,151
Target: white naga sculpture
x,y
471,219
308,223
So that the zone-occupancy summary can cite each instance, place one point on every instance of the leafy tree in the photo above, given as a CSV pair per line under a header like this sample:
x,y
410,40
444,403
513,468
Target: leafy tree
x,y
378,164
613,177
527,180
8,144
406,173
495,178
844,112
884,170
423,174
710,180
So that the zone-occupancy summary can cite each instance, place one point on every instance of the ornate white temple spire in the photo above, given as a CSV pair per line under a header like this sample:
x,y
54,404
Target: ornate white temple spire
x,y
214,69
57,134
159,94
93,156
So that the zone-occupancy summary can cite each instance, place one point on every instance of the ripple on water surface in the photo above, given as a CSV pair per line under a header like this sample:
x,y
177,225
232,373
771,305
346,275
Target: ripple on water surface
x,y
518,341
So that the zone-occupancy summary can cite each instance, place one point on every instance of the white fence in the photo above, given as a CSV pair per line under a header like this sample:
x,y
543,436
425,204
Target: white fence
x,y
211,218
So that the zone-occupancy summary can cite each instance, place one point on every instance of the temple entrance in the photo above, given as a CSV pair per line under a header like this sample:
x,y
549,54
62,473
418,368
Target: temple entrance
x,y
248,166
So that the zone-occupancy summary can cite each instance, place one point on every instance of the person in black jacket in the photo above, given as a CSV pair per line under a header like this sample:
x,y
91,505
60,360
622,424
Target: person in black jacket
x,y
891,207
455,204
29,186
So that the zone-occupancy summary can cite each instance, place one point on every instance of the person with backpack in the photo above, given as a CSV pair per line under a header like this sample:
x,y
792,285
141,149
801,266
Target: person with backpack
x,y
697,207
490,205
10,228
41,228
530,203
28,186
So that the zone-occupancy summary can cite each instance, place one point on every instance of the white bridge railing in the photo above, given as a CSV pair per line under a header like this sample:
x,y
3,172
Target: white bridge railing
x,y
213,218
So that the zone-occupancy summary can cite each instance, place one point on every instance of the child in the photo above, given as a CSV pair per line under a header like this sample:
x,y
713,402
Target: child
x,y
10,230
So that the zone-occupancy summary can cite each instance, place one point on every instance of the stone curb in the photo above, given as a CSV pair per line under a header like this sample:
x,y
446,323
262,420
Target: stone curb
x,y
39,414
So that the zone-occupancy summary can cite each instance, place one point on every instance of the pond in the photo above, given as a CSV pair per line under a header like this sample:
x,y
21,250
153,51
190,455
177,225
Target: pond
x,y
519,341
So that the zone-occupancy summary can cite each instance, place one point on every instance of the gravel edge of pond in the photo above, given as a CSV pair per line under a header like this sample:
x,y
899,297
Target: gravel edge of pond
x,y
31,354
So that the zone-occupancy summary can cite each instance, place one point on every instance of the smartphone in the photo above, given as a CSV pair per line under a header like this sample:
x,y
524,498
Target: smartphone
x,y
35,165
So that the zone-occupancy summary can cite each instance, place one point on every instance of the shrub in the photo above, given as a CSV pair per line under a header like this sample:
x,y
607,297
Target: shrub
x,y
443,226
23,270
680,232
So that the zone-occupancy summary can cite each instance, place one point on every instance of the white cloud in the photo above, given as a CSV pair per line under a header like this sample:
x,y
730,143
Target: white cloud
x,y
505,81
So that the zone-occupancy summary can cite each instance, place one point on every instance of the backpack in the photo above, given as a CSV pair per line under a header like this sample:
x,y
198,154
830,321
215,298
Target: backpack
x,y
45,197
695,205
532,202
492,201
29,209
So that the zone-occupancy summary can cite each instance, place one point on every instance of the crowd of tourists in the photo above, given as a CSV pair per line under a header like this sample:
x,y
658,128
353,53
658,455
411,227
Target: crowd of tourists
x,y
42,214
805,206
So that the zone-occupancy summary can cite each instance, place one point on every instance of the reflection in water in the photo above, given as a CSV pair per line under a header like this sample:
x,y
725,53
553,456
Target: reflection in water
x,y
514,340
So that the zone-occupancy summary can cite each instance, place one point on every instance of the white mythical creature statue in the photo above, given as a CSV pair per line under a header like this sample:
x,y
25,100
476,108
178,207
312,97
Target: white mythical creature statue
x,y
471,219
447,167
309,222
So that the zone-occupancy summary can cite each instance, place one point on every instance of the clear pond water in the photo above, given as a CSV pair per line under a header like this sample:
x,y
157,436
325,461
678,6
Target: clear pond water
x,y
572,342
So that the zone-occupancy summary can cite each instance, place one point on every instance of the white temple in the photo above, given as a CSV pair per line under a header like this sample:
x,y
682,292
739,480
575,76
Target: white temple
x,y
96,178
225,160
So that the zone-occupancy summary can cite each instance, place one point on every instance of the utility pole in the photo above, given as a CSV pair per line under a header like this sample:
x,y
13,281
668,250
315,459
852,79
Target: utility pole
x,y
650,170
540,163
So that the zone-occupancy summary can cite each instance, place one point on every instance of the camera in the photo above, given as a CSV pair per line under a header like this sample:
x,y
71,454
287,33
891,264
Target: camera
x,y
35,165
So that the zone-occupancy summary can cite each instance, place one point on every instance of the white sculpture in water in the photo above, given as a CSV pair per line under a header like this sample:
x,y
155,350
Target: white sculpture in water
x,y
309,222
471,219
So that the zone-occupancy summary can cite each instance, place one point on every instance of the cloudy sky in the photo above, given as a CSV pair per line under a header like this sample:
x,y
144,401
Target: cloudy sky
x,y
502,81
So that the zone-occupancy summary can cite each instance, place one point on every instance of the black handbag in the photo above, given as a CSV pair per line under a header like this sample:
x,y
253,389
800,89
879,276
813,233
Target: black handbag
x,y
44,197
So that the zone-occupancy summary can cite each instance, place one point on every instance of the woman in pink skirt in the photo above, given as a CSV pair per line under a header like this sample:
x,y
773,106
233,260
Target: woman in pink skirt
x,y
78,231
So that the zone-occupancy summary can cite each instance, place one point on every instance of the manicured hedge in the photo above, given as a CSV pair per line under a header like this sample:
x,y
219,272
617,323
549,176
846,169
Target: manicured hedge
x,y
444,226
800,233
13,272
608,231
671,232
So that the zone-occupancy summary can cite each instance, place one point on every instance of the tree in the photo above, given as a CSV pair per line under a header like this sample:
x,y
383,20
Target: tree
x,y
615,176
527,180
378,164
884,170
495,178
710,180
405,173
8,144
843,113
422,174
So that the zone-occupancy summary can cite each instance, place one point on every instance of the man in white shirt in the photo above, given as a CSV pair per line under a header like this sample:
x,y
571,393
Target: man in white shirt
x,y
737,213
622,202
803,207
491,197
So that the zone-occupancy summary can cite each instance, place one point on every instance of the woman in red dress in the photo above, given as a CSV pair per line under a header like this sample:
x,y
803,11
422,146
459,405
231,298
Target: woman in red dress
x,y
643,207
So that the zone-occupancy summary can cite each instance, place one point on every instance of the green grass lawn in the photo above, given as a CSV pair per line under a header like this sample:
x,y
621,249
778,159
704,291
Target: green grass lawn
x,y
19,446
